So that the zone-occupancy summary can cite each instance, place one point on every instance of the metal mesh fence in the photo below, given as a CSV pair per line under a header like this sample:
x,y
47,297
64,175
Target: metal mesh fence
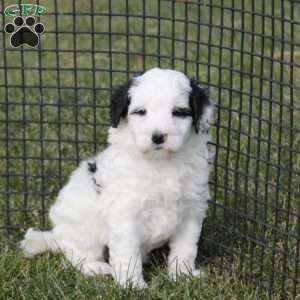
x,y
54,102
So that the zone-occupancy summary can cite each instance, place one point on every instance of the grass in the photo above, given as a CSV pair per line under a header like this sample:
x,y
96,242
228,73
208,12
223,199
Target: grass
x,y
51,119
51,277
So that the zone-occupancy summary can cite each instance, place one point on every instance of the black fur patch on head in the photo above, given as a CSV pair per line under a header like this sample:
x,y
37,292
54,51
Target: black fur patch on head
x,y
119,103
199,100
92,167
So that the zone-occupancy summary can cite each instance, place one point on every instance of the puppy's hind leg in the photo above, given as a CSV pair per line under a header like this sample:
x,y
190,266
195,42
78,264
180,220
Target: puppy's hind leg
x,y
36,242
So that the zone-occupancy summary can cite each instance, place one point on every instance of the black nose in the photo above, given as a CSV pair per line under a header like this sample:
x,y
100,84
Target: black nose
x,y
158,138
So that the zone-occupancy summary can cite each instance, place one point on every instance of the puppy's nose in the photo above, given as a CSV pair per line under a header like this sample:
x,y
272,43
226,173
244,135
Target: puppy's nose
x,y
158,138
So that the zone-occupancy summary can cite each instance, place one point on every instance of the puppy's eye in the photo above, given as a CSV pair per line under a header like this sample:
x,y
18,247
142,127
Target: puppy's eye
x,y
139,112
181,112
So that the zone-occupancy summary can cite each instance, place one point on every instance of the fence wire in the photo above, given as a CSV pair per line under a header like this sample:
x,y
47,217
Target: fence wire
x,y
54,102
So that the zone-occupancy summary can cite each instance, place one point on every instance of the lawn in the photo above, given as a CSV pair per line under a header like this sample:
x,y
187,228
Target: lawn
x,y
52,277
54,112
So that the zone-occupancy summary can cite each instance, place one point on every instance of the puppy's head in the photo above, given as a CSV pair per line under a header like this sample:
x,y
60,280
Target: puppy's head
x,y
162,109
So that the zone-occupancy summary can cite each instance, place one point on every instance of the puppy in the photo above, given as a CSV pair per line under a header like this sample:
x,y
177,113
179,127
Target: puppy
x,y
149,187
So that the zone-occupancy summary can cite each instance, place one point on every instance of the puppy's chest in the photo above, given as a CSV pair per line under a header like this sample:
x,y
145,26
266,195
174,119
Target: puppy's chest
x,y
164,188
162,210
166,206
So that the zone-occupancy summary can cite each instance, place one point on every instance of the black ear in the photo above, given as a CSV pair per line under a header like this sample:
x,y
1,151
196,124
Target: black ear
x,y
119,103
201,107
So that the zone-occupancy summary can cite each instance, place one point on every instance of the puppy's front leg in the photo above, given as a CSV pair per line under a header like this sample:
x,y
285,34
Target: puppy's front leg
x,y
183,248
125,256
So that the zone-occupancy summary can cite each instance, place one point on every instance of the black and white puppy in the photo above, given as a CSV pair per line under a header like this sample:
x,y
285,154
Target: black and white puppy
x,y
148,188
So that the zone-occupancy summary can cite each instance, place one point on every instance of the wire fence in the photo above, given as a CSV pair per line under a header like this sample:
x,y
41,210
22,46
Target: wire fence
x,y
54,101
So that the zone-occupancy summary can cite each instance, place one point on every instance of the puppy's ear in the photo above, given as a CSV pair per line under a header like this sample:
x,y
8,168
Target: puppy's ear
x,y
119,103
201,107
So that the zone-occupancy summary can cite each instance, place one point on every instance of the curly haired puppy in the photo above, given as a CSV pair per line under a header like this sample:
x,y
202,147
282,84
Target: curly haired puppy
x,y
149,187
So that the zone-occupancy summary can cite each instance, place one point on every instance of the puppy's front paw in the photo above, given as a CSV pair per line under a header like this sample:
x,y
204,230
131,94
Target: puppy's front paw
x,y
141,284
135,283
175,272
198,273
96,268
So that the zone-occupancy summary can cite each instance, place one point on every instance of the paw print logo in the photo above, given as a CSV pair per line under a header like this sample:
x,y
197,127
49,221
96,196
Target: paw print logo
x,y
24,31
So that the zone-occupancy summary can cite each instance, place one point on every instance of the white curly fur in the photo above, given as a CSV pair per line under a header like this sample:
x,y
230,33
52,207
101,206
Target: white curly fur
x,y
142,195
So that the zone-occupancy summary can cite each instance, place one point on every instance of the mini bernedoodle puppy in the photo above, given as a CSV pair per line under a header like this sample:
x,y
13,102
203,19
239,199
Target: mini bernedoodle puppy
x,y
149,187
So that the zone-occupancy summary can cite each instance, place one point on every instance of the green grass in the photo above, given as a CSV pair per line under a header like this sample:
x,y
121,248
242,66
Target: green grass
x,y
240,237
52,277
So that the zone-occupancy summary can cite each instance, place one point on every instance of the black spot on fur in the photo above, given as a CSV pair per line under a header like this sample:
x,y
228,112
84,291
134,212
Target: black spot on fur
x,y
199,100
98,186
92,167
106,254
119,103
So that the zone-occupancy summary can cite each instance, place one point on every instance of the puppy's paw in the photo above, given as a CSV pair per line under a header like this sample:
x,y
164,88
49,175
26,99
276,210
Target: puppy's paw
x,y
175,273
140,284
198,273
135,283
96,268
